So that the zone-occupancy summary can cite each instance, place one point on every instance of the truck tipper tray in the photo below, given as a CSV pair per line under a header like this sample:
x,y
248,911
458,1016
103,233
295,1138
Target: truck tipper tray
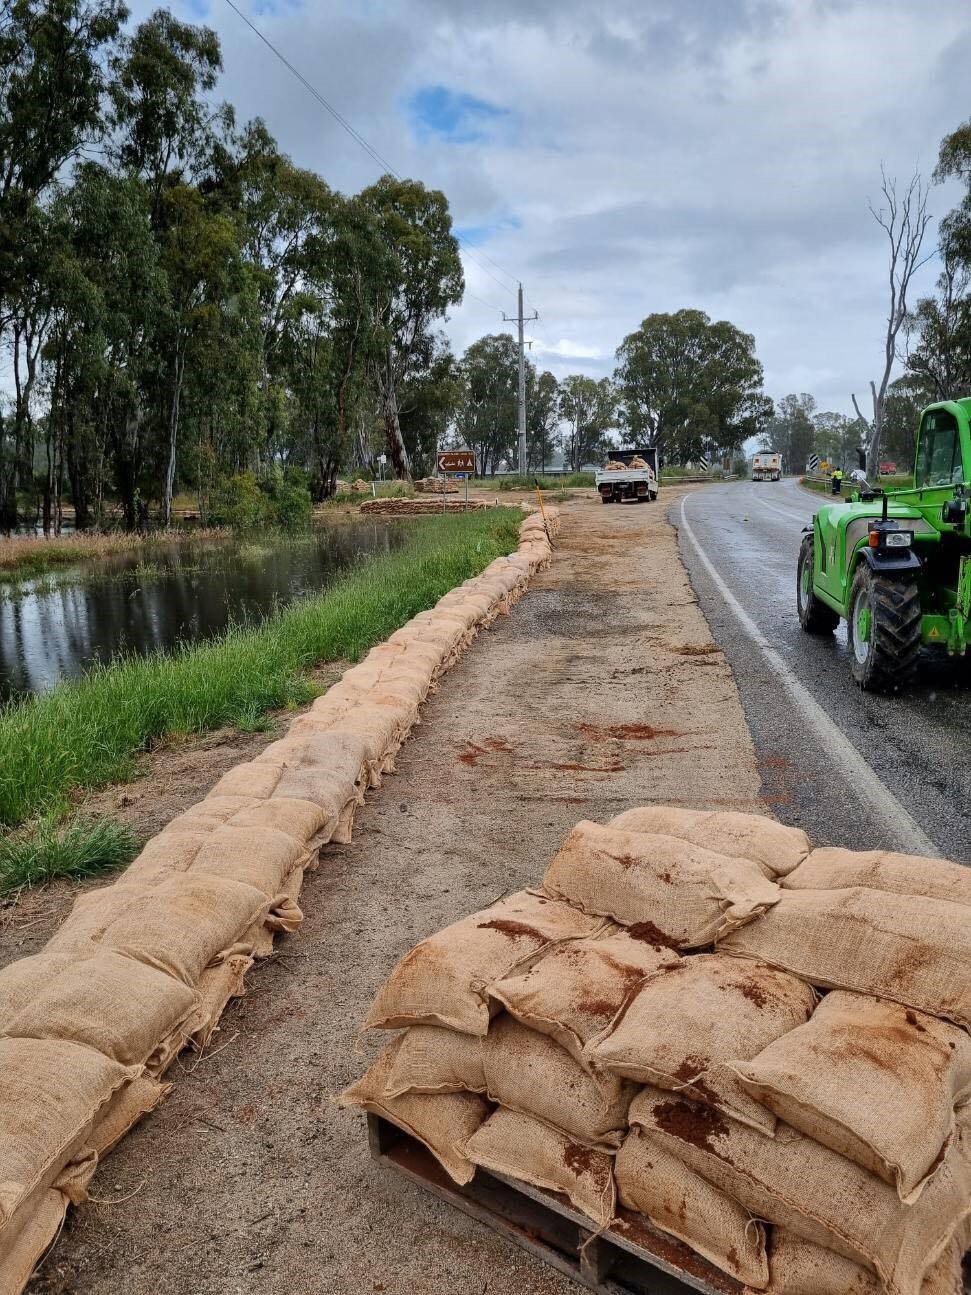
x,y
629,1258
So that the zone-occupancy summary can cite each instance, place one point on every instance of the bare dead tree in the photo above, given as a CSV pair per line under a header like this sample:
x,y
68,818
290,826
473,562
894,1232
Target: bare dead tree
x,y
904,218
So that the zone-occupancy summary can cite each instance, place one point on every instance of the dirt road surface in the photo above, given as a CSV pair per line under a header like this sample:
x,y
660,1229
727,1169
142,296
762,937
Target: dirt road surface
x,y
603,689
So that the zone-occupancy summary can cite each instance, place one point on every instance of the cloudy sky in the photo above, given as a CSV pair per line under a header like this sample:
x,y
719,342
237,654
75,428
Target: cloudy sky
x,y
632,156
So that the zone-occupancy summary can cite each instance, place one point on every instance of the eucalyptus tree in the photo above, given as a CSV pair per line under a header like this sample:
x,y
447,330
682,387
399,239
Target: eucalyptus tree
x,y
589,407
690,385
424,278
486,420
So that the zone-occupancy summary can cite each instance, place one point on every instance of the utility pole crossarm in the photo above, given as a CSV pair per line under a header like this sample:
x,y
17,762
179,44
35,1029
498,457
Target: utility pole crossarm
x,y
521,402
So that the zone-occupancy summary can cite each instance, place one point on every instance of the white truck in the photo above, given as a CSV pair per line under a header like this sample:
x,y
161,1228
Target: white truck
x,y
767,467
629,474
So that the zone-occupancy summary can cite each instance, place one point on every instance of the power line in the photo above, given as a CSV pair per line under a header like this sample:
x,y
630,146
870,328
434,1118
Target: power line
x,y
369,149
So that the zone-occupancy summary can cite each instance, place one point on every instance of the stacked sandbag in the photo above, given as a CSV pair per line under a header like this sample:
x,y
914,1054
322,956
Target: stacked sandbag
x,y
144,967
436,486
499,1008
392,507
644,1041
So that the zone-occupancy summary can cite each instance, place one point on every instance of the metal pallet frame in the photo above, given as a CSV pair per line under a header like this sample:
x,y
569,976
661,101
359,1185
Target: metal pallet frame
x,y
630,1258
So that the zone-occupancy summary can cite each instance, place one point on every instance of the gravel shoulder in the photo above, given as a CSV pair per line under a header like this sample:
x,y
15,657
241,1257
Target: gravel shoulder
x,y
603,689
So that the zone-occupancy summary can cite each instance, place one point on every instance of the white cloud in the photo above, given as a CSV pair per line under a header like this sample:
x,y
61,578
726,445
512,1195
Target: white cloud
x,y
666,153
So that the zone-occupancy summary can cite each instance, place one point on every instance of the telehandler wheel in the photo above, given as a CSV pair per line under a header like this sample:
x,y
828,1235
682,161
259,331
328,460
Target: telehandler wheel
x,y
883,628
814,616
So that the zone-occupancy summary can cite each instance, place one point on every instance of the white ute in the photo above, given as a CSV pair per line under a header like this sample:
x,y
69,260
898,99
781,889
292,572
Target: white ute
x,y
629,474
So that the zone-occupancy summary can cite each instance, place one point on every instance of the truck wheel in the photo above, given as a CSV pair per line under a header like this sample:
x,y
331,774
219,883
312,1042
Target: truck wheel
x,y
608,499
814,616
883,628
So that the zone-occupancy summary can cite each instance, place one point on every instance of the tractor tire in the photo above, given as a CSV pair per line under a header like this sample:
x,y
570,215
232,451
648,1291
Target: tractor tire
x,y
885,660
814,616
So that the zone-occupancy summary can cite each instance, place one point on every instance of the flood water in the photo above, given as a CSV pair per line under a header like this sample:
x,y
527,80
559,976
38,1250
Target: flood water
x,y
57,626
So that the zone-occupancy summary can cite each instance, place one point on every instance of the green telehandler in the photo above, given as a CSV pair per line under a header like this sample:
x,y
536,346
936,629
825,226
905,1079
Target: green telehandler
x,y
896,566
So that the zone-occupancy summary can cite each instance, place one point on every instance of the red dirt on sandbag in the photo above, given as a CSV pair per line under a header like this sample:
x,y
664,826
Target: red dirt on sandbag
x,y
694,1124
516,930
650,934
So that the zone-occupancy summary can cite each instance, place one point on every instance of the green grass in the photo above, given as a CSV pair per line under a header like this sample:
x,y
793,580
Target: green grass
x,y
85,734
81,848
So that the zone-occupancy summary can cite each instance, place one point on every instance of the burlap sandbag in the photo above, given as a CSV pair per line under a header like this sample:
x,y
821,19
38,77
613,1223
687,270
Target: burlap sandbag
x,y
798,1267
777,848
654,1182
901,874
246,848
814,1192
432,1059
871,1079
445,979
119,1006
917,953
520,1147
179,926
43,1125
530,1073
678,894
444,1122
686,1027
131,1103
573,991
27,1235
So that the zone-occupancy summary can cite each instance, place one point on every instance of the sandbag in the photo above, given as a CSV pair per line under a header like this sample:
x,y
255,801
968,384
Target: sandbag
x,y
678,894
532,1074
574,990
686,1027
117,1005
654,1182
520,1147
918,953
871,1079
26,1236
180,926
777,848
43,1124
798,1267
431,1059
443,1122
814,1192
445,979
901,874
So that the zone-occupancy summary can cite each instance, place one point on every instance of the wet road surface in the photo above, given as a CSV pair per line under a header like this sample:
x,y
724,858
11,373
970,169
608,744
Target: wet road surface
x,y
852,768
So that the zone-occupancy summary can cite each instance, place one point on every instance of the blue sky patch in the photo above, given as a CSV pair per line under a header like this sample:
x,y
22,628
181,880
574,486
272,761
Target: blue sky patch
x,y
453,116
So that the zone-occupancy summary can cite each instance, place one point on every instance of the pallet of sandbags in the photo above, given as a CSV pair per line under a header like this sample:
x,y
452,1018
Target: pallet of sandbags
x,y
436,486
646,1037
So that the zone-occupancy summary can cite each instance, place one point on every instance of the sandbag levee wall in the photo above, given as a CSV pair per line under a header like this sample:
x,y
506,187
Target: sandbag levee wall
x,y
144,967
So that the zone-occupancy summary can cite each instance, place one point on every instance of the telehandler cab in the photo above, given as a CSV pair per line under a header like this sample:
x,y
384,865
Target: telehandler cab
x,y
896,566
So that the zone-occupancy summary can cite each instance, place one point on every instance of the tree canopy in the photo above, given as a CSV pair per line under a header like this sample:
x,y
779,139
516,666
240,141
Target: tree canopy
x,y
690,386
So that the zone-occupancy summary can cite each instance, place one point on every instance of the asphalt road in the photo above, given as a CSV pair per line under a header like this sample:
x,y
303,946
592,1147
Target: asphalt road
x,y
851,768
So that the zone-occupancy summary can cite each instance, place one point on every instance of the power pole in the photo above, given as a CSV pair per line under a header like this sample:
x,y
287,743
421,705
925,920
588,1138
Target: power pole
x,y
521,402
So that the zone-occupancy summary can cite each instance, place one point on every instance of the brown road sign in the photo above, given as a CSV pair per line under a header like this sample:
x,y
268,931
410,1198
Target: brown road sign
x,y
457,461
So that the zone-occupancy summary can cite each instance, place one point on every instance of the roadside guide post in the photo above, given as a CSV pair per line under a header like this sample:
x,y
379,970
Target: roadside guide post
x,y
456,463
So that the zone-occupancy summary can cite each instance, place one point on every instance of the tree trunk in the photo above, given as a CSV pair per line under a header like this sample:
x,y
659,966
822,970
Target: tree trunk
x,y
392,430
173,441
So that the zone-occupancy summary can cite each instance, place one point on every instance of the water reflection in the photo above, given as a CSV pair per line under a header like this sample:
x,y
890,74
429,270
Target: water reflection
x,y
54,628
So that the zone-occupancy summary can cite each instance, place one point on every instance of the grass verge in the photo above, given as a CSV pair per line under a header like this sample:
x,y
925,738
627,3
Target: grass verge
x,y
85,734
81,848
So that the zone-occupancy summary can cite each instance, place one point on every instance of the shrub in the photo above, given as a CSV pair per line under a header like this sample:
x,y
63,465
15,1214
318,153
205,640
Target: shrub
x,y
239,502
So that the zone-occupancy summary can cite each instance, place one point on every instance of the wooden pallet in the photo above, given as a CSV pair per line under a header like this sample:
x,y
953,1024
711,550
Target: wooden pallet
x,y
631,1258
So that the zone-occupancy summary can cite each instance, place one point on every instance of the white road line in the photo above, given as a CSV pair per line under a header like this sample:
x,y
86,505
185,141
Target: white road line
x,y
847,761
